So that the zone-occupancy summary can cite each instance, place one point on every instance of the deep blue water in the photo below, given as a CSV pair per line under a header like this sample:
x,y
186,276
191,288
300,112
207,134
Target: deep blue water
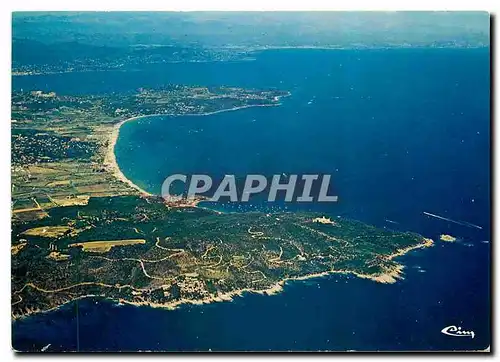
x,y
401,131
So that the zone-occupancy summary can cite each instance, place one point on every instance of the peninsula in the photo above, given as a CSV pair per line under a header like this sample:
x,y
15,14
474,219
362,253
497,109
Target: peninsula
x,y
80,228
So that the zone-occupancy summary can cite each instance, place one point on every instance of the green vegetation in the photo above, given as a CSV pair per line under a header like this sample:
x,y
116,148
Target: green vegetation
x,y
60,143
189,254
78,230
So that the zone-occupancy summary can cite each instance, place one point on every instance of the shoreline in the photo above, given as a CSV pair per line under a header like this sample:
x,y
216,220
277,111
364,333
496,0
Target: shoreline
x,y
110,156
387,277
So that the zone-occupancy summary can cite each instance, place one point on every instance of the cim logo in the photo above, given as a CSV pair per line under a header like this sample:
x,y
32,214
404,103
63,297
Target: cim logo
x,y
455,331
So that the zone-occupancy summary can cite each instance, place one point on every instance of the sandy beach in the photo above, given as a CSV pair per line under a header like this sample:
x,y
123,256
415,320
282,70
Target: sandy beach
x,y
389,276
110,156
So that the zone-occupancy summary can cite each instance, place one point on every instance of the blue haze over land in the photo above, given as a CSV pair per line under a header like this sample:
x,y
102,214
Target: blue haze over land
x,y
402,131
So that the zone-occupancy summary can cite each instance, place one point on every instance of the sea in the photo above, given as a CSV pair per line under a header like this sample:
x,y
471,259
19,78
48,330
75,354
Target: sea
x,y
402,132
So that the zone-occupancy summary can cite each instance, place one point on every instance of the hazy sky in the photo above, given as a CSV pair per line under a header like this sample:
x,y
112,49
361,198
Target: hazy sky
x,y
257,28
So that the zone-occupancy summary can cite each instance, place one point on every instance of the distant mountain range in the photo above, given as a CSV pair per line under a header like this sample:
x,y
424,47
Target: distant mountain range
x,y
256,29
